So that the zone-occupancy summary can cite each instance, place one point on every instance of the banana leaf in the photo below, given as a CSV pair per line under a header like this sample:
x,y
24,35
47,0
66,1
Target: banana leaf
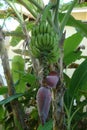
x,y
77,84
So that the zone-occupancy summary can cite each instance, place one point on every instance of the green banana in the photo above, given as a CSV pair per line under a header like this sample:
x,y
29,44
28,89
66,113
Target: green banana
x,y
37,30
54,50
33,48
33,31
36,44
39,42
44,42
48,29
48,39
44,27
45,38
35,52
33,39
54,57
31,44
38,38
41,29
52,41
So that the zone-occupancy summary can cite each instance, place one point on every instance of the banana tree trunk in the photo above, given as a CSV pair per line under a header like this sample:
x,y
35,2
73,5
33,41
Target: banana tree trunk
x,y
58,111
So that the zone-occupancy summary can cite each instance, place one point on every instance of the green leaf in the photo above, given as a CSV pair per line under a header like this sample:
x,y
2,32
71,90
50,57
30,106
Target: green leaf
x,y
3,90
31,79
66,79
70,46
11,98
15,40
2,112
71,43
79,25
71,57
48,126
77,84
34,114
79,79
66,16
18,66
20,51
65,6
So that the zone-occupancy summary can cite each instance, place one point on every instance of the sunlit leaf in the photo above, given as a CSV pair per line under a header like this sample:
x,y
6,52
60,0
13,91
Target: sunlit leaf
x,y
70,46
29,78
79,25
18,66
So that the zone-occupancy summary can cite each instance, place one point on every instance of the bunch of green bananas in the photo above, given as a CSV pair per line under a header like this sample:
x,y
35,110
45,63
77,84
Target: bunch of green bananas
x,y
44,43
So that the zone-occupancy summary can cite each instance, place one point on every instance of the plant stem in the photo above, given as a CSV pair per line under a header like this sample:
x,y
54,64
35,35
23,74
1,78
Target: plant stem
x,y
36,4
56,24
69,125
58,108
26,5
68,117
58,112
18,114
66,17
41,9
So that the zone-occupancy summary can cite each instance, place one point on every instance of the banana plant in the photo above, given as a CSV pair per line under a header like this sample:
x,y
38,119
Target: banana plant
x,y
47,49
